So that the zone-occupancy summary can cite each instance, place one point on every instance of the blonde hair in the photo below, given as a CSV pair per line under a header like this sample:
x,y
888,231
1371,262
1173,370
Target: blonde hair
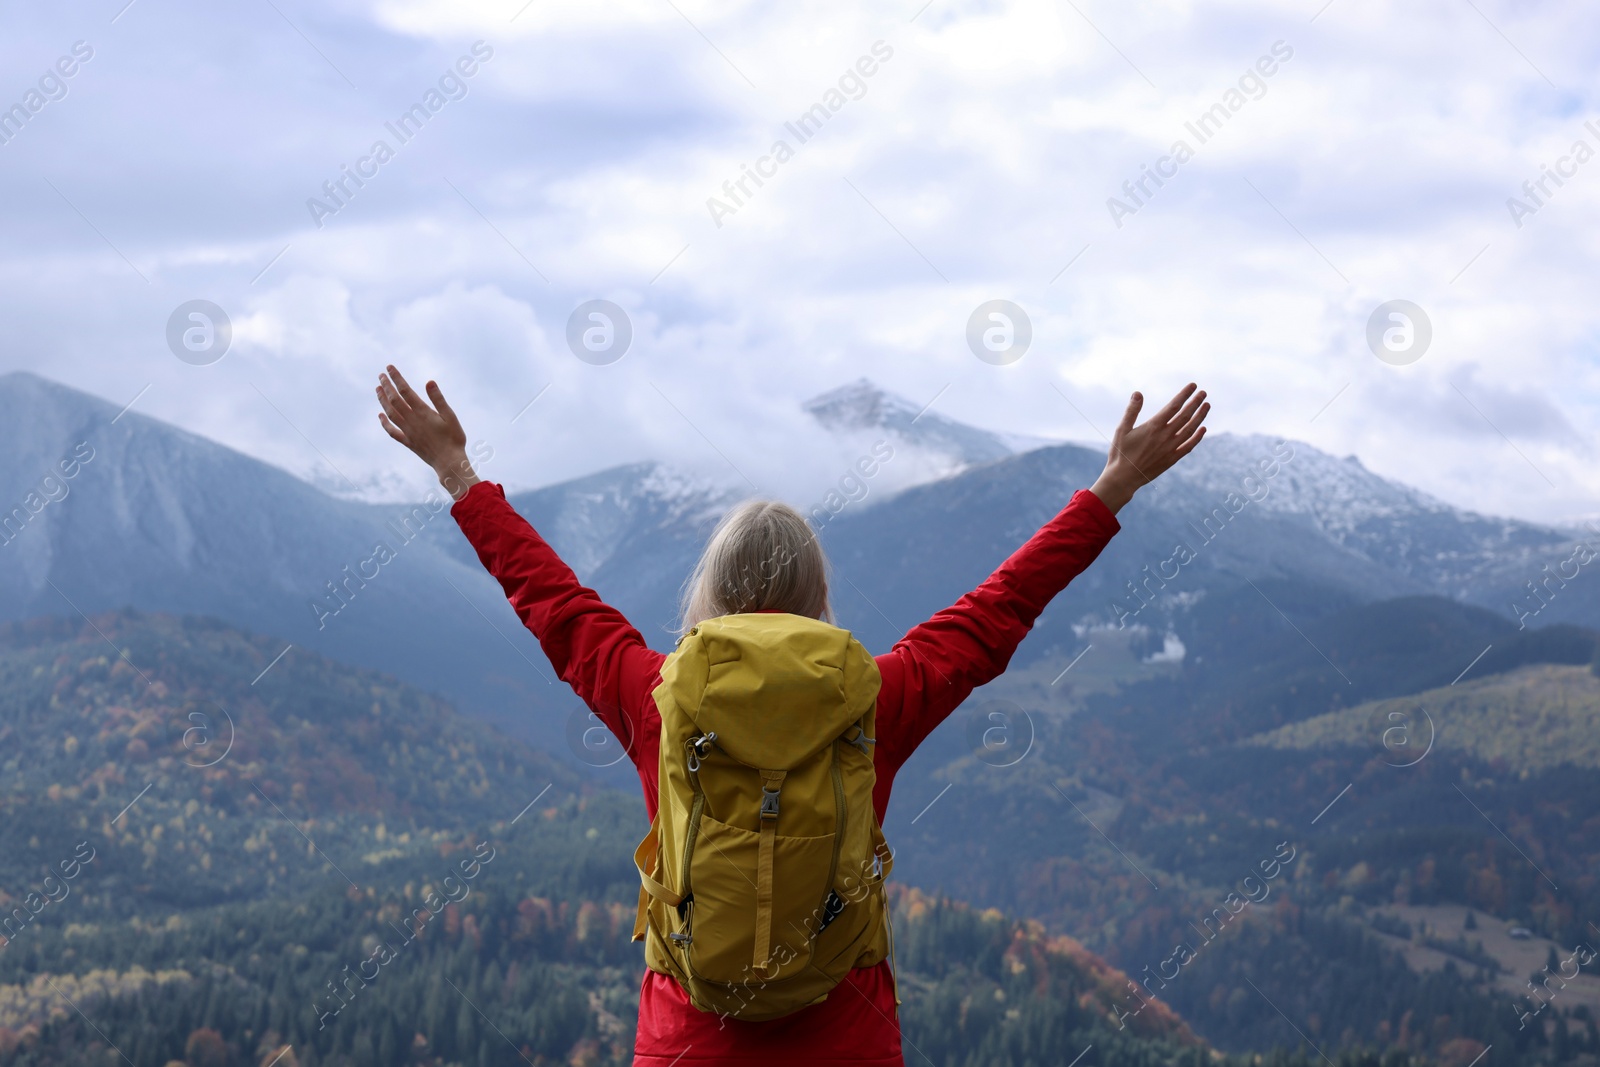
x,y
763,556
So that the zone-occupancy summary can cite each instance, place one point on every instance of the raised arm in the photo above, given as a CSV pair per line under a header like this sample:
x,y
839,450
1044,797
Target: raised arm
x,y
931,670
592,646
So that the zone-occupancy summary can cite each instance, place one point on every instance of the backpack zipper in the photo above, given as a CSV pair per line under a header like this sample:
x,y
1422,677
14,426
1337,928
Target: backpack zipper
x,y
695,747
841,810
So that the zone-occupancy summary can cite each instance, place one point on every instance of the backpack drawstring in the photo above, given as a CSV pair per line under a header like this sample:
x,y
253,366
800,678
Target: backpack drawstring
x,y
697,747
861,741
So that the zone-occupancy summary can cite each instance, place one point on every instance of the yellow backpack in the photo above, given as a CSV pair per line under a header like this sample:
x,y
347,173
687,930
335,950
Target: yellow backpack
x,y
762,874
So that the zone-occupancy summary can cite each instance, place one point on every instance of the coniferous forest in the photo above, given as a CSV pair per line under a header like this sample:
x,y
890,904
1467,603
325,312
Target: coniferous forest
x,y
317,865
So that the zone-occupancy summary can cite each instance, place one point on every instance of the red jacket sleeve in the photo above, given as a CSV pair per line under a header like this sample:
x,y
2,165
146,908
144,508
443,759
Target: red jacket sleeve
x,y
592,647
931,670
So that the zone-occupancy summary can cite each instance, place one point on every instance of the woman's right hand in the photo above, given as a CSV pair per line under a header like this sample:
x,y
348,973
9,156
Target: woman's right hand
x,y
433,433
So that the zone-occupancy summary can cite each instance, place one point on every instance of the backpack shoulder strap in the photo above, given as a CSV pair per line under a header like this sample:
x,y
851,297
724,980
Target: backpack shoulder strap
x,y
644,858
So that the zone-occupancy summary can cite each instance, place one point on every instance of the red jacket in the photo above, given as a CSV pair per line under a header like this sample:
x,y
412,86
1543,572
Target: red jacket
x,y
927,674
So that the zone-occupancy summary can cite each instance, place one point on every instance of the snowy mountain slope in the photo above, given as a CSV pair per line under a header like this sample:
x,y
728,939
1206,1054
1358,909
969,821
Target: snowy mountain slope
x,y
1320,532
159,519
1401,531
633,532
862,406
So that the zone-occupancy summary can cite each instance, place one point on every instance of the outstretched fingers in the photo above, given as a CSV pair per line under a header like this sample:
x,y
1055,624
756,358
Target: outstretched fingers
x,y
408,394
392,430
1196,418
1167,413
437,396
393,407
1189,445
1130,414
1186,412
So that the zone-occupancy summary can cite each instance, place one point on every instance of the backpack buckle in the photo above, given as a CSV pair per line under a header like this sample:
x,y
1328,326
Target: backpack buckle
x,y
769,803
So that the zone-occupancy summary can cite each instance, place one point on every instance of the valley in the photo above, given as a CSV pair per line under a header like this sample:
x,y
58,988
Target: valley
x,y
1340,672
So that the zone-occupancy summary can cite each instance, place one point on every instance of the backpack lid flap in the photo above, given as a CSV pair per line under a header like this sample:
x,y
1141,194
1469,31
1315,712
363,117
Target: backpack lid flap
x,y
776,688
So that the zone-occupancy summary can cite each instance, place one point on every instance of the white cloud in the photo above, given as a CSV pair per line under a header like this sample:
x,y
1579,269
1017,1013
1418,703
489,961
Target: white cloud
x,y
976,164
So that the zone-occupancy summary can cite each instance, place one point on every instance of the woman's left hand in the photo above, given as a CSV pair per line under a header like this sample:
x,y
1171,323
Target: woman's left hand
x,y
433,433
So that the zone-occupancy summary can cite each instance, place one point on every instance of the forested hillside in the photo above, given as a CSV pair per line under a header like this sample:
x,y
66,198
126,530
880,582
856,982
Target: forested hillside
x,y
1413,754
351,873
218,850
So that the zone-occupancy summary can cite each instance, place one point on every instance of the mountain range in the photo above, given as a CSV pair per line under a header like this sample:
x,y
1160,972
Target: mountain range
x,y
1241,680
158,519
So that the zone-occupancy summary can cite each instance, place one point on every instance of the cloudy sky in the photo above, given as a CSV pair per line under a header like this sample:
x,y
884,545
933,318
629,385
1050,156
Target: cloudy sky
x,y
185,158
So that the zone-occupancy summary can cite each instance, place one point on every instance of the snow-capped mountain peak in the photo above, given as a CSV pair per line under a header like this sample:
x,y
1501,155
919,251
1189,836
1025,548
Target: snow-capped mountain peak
x,y
864,407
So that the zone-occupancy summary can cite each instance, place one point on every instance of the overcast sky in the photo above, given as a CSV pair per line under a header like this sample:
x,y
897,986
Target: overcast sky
x,y
975,163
